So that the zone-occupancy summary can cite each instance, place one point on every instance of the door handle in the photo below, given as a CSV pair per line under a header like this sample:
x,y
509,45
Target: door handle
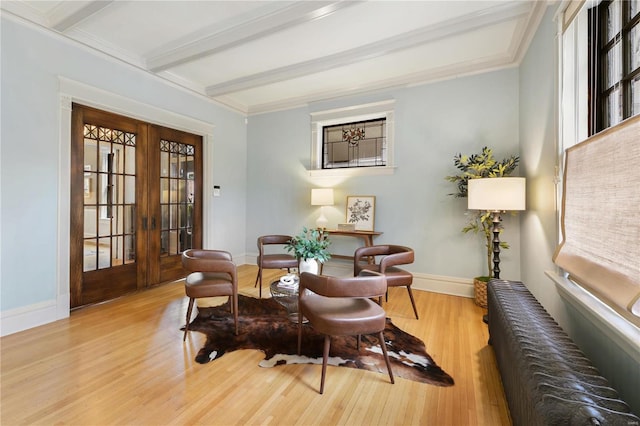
x,y
153,223
144,223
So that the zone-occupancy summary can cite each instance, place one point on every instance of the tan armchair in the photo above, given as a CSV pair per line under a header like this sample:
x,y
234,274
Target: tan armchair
x,y
273,260
342,306
212,273
387,256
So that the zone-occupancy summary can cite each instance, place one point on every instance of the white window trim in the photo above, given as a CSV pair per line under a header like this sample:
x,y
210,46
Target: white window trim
x,y
609,322
573,118
384,109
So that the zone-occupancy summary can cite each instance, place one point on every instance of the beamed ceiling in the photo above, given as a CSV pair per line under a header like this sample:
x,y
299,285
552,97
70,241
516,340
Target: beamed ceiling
x,y
259,56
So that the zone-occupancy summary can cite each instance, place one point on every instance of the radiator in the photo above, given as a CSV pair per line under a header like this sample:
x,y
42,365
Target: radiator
x,y
547,380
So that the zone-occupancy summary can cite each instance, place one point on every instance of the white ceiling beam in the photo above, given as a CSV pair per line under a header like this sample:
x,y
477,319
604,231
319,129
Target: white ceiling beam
x,y
284,18
452,27
70,13
446,72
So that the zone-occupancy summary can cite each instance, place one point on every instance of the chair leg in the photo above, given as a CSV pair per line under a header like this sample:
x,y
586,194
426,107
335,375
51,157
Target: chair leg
x,y
299,332
383,345
259,278
325,359
413,302
186,326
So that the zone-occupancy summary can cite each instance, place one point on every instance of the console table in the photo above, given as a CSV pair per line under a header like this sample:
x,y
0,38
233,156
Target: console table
x,y
366,236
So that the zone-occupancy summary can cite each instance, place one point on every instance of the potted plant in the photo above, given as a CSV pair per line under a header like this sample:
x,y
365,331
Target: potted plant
x,y
482,165
310,247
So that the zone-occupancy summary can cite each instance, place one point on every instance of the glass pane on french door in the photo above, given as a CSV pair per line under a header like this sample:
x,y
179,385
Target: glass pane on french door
x,y
109,198
177,197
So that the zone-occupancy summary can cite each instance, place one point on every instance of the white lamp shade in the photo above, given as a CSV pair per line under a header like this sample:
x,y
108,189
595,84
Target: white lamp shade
x,y
501,194
322,197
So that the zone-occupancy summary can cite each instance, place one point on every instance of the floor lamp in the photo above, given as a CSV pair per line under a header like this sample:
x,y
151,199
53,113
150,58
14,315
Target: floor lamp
x,y
496,195
322,197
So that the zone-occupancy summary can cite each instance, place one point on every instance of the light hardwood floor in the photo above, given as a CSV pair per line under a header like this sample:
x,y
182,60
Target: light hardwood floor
x,y
124,362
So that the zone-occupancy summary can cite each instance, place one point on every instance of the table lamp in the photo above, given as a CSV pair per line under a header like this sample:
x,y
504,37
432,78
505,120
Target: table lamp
x,y
322,197
496,195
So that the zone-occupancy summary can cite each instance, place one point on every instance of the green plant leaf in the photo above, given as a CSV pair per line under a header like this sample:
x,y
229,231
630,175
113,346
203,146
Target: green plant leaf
x,y
475,166
310,244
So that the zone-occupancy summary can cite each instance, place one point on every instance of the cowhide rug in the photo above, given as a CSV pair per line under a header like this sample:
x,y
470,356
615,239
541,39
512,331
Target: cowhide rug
x,y
265,326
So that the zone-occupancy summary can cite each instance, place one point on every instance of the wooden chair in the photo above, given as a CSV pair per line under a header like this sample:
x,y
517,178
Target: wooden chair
x,y
342,306
273,260
390,256
212,273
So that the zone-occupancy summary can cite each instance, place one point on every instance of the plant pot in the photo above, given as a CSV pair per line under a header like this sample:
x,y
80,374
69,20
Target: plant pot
x,y
308,265
480,291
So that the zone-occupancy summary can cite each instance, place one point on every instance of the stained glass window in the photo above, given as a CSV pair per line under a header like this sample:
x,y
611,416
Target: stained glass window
x,y
355,144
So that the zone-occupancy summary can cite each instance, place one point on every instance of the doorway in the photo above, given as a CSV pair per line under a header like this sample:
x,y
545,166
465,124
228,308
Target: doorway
x,y
136,204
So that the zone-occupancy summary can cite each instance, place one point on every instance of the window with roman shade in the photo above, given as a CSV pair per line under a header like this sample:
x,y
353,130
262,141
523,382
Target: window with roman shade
x,y
600,220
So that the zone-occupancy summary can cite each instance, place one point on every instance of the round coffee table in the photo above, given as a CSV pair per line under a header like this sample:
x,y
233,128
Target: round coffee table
x,y
287,296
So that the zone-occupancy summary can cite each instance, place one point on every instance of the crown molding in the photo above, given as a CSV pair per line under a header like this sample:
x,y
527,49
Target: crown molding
x,y
448,28
178,84
24,10
521,44
67,14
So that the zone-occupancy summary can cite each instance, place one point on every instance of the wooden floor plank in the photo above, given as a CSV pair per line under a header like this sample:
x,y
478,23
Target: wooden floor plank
x,y
124,362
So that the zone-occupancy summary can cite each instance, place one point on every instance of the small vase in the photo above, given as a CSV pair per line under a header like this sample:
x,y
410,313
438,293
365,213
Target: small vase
x,y
308,265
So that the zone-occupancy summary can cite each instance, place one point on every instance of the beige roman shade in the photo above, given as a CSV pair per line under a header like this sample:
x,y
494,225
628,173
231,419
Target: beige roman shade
x,y
601,217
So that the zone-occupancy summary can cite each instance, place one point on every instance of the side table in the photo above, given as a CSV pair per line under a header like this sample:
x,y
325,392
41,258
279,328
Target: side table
x,y
287,296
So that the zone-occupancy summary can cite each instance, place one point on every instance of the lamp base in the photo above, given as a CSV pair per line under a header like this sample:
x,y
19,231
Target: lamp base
x,y
496,244
321,222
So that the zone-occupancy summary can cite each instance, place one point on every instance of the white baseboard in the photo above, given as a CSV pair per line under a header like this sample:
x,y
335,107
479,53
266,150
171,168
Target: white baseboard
x,y
454,286
25,317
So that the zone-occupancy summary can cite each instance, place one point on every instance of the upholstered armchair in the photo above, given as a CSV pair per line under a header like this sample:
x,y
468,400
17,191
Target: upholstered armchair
x,y
212,273
273,260
342,306
387,258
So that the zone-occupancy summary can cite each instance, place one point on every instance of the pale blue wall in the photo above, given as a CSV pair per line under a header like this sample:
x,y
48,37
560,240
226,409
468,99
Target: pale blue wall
x,y
262,170
32,61
538,143
539,230
433,122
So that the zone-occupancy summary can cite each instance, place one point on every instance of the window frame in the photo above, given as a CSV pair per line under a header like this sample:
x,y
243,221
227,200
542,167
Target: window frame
x,y
355,153
357,113
599,46
575,101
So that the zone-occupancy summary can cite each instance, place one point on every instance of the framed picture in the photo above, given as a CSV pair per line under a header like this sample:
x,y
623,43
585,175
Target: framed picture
x,y
361,211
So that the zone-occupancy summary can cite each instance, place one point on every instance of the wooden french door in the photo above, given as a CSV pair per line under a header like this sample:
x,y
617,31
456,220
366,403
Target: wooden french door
x,y
136,204
175,204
